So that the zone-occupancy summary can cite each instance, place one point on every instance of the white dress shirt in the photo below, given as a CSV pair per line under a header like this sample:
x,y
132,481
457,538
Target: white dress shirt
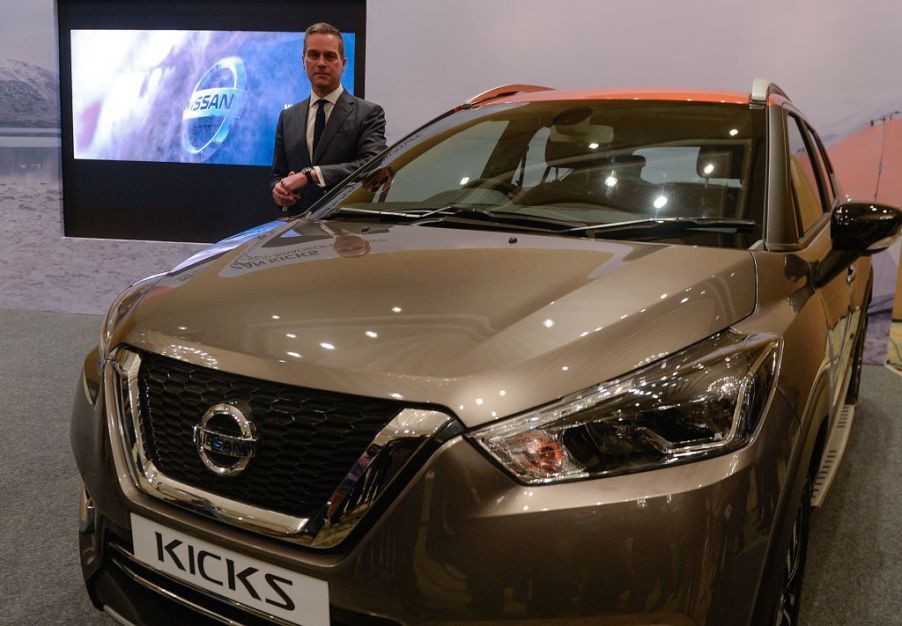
x,y
330,99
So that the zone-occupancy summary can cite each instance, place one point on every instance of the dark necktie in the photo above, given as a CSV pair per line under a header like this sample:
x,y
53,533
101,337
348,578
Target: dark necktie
x,y
319,123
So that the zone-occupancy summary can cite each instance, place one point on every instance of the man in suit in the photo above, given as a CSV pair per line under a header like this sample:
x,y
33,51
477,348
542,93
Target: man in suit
x,y
323,139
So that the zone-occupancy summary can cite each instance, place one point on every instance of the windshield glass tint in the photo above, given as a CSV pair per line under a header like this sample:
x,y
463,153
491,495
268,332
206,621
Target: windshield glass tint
x,y
589,162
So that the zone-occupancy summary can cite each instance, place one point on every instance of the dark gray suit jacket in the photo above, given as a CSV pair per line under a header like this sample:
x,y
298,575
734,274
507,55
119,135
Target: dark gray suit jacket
x,y
354,133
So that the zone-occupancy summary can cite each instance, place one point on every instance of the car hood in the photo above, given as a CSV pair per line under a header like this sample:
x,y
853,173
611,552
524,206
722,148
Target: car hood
x,y
484,323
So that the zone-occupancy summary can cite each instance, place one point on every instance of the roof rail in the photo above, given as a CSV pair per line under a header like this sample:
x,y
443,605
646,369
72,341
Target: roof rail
x,y
503,90
762,88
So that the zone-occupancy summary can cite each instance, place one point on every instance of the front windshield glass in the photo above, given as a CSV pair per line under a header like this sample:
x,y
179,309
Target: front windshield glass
x,y
580,162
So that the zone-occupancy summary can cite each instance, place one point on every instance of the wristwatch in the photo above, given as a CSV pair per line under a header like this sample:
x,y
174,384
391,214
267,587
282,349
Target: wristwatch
x,y
308,174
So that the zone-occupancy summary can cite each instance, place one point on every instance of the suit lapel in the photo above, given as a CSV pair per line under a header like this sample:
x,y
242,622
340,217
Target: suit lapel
x,y
300,122
340,112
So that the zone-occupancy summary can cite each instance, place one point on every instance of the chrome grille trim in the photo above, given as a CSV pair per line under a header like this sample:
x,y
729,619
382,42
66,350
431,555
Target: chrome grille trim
x,y
336,518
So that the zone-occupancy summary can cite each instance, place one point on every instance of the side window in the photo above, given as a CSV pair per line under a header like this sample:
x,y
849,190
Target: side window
x,y
825,168
805,182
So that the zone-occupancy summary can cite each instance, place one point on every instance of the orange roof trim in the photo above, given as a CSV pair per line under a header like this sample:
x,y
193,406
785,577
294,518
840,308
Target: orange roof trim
x,y
728,97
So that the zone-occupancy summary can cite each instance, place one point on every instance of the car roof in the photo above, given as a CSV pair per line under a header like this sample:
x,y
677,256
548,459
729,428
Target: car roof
x,y
762,92
724,97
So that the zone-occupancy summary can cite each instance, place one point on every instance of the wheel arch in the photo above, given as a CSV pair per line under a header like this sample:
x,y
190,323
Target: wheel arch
x,y
804,462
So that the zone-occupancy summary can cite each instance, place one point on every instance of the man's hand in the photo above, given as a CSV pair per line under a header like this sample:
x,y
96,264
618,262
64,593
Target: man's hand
x,y
285,192
295,181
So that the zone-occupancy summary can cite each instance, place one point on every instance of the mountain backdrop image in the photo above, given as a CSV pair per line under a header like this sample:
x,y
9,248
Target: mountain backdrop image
x,y
29,95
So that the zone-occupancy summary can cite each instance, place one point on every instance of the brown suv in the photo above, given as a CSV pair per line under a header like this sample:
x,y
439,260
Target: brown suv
x,y
555,357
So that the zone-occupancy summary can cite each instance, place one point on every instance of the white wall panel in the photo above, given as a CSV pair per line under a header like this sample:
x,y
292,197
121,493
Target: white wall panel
x,y
834,58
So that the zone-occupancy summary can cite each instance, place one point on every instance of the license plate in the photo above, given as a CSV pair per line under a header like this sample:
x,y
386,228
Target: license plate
x,y
274,590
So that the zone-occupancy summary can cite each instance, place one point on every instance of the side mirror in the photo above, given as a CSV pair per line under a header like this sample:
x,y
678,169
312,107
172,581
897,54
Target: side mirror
x,y
864,227
857,229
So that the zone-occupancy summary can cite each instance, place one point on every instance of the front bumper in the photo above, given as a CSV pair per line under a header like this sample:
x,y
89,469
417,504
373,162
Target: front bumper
x,y
464,543
134,594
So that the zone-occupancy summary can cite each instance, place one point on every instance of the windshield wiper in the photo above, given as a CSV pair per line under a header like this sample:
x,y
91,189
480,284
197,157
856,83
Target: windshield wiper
x,y
408,214
505,218
663,226
646,227
373,212
483,214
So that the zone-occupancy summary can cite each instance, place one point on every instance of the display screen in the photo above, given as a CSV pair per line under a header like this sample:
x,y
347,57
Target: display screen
x,y
169,109
186,96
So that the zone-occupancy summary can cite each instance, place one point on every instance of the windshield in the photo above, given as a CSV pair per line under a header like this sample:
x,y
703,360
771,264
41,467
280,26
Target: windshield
x,y
575,162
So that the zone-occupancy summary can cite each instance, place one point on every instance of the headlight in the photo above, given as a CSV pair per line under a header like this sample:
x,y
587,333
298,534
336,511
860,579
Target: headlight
x,y
702,401
121,306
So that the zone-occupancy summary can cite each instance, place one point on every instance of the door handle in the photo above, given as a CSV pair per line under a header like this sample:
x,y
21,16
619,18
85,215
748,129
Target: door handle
x,y
850,275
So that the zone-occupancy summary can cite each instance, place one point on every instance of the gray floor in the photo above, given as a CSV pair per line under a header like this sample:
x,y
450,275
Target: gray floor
x,y
40,360
855,554
855,560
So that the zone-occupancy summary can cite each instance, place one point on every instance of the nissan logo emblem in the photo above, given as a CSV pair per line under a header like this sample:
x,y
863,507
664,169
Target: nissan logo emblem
x,y
226,438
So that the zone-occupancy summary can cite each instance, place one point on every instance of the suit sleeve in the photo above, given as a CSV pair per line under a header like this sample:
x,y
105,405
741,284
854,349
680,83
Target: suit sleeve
x,y
279,160
371,141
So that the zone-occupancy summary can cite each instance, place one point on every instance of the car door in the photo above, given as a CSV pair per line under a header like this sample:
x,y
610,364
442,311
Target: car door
x,y
813,195
857,274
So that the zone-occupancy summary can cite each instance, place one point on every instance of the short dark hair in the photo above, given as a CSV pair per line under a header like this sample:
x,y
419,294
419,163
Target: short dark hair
x,y
322,28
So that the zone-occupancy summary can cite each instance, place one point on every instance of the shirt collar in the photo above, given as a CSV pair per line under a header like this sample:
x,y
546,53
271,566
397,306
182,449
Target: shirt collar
x,y
332,97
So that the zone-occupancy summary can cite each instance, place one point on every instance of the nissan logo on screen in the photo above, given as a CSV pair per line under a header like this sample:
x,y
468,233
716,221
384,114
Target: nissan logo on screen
x,y
214,106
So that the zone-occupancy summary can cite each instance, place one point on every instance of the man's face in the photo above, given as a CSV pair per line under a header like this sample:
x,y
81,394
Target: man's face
x,y
323,63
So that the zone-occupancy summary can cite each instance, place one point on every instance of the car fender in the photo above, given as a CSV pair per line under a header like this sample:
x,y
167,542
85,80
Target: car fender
x,y
803,463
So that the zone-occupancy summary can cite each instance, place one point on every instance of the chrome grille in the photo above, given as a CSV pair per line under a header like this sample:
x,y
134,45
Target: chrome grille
x,y
308,439
151,402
